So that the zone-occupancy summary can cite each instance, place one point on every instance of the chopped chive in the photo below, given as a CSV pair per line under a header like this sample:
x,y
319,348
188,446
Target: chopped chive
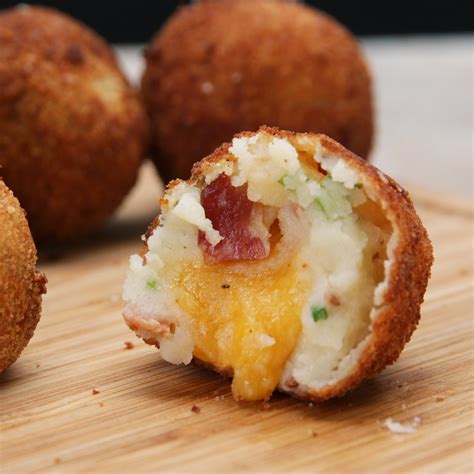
x,y
319,312
281,180
151,284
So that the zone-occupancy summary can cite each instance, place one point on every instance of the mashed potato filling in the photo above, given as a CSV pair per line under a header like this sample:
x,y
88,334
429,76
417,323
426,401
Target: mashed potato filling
x,y
292,317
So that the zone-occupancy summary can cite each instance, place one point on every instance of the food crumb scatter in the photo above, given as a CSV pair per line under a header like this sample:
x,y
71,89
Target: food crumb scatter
x,y
95,391
195,409
207,87
128,345
439,399
114,298
399,428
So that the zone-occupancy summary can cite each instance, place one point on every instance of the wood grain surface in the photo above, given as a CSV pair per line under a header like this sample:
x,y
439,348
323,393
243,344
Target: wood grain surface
x,y
79,400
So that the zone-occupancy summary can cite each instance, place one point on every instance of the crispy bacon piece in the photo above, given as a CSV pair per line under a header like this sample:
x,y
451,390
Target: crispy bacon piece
x,y
237,219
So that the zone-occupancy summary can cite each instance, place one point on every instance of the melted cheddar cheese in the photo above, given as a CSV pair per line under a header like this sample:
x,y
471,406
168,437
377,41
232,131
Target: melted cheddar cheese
x,y
247,323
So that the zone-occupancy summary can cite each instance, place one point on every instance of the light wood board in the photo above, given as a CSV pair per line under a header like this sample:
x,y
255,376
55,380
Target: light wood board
x,y
141,419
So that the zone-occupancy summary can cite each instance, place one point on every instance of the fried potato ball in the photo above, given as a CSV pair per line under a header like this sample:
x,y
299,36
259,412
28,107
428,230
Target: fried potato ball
x,y
286,262
21,286
72,130
219,67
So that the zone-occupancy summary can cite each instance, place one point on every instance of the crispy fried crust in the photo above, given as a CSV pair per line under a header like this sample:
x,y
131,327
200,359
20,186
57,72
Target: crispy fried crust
x,y
293,67
72,131
21,286
399,313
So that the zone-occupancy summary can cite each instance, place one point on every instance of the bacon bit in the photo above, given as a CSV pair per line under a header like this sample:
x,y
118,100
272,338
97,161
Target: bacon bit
x,y
195,409
334,300
95,391
128,345
292,383
230,212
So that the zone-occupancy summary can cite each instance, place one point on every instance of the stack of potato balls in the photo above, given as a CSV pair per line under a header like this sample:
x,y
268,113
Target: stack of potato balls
x,y
74,132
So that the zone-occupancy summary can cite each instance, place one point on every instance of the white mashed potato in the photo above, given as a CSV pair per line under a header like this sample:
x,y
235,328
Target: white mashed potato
x,y
339,250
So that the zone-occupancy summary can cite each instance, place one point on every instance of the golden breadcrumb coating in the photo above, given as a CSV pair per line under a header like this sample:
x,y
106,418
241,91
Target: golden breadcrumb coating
x,y
21,286
72,131
219,67
398,314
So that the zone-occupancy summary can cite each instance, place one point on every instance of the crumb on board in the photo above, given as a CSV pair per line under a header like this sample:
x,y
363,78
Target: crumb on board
x,y
404,406
129,345
311,404
313,433
195,409
219,397
95,391
265,406
38,366
57,460
101,404
439,399
399,428
114,298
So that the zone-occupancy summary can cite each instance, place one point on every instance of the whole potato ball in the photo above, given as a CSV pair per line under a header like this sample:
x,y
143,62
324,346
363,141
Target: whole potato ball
x,y
21,286
72,130
220,67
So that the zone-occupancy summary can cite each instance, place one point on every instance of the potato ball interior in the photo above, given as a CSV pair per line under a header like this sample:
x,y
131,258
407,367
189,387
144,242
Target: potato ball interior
x,y
268,266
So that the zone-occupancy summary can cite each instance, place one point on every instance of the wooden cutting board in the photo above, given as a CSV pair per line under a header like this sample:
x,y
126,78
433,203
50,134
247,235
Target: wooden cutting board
x,y
79,400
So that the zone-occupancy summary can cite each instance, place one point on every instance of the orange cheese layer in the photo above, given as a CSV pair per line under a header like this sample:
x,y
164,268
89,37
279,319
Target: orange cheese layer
x,y
247,323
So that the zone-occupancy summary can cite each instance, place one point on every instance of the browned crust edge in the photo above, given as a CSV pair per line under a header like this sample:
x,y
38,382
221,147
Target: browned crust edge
x,y
21,285
398,316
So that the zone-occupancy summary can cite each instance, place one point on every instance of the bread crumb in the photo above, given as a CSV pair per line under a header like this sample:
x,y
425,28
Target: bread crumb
x,y
439,399
195,409
114,298
38,366
57,460
128,345
313,433
311,404
265,406
101,404
220,397
404,406
399,428
95,391
207,87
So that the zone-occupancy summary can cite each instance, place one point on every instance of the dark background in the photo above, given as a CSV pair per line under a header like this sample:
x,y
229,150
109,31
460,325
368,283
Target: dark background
x,y
130,21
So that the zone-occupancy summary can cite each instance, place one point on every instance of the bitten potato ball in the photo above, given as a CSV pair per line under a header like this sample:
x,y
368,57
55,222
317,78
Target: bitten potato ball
x,y
21,286
219,67
285,262
72,130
